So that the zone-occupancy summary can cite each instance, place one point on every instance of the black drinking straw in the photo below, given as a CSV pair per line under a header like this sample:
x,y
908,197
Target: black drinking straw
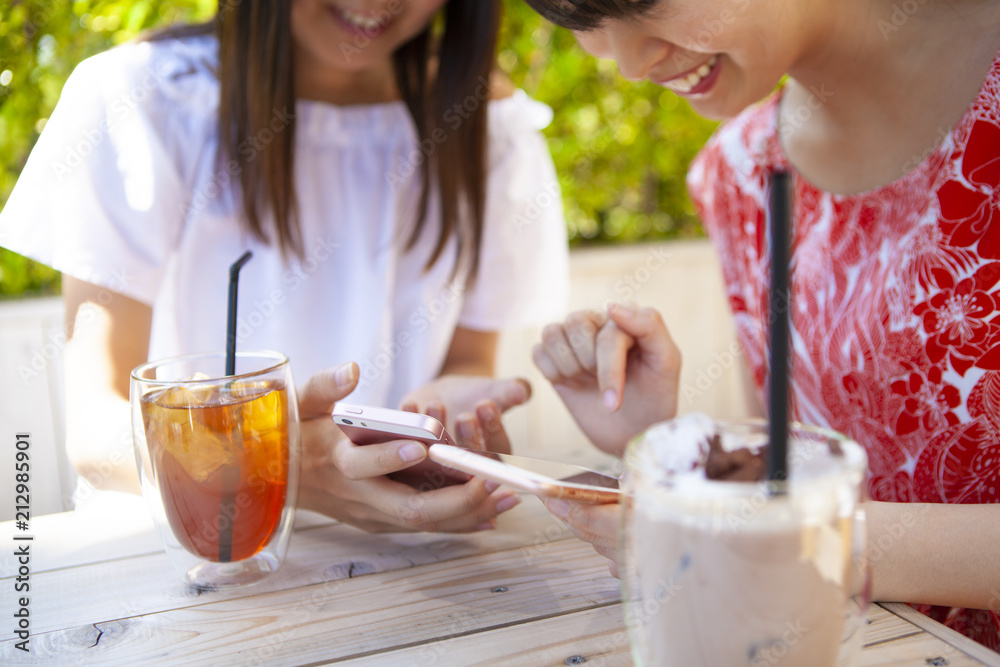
x,y
779,313
234,281
230,478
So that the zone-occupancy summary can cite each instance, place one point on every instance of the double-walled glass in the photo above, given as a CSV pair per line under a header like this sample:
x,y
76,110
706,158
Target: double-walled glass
x,y
218,460
726,573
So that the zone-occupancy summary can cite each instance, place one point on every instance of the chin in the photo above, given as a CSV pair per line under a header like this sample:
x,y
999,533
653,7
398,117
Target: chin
x,y
724,107
715,110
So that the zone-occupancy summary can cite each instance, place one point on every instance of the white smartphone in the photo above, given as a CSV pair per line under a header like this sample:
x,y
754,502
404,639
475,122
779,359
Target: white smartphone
x,y
548,479
366,425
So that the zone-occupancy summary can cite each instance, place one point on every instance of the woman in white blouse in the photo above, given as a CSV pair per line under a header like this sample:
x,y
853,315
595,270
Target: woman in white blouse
x,y
401,206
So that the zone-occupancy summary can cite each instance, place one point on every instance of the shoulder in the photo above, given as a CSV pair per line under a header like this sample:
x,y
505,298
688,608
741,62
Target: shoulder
x,y
148,74
515,117
501,86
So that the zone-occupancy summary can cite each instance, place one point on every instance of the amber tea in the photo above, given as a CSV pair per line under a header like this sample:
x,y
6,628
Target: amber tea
x,y
220,457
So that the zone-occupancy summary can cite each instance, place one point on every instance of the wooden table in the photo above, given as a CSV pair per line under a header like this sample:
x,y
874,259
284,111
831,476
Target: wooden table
x,y
103,592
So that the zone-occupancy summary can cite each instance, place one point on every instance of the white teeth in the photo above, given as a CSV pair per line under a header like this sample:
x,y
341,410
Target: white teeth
x,y
685,84
359,20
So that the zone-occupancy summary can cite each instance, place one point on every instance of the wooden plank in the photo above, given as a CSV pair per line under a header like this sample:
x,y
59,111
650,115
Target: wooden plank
x,y
968,646
885,626
349,617
921,649
146,583
596,635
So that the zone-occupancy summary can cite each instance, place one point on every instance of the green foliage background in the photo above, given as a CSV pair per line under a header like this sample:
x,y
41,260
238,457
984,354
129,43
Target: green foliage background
x,y
621,149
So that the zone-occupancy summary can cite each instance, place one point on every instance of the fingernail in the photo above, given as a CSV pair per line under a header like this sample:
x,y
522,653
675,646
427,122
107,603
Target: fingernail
x,y
464,428
623,309
508,503
610,399
412,452
558,507
491,487
344,374
487,525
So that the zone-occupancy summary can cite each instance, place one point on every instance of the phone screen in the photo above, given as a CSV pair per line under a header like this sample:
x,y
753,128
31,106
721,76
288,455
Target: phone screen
x,y
561,472
549,479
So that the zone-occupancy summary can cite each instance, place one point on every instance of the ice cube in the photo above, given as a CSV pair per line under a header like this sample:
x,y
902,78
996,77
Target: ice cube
x,y
196,432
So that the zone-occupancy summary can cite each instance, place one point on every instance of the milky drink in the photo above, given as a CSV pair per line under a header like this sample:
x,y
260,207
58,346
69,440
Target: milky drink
x,y
721,572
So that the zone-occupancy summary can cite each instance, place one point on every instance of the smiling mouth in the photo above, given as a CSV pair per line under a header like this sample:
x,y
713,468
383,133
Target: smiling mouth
x,y
690,81
361,22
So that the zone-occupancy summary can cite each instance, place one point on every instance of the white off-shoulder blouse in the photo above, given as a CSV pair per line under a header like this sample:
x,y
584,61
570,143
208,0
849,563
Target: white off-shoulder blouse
x,y
123,190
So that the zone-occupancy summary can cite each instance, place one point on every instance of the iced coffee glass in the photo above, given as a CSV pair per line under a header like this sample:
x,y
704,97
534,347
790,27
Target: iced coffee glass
x,y
218,462
726,572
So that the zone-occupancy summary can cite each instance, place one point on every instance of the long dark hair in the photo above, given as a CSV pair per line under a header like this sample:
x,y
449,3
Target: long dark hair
x,y
590,14
256,76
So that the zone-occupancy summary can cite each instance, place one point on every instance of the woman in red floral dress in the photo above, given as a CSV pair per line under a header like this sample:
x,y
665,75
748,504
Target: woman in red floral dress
x,y
890,124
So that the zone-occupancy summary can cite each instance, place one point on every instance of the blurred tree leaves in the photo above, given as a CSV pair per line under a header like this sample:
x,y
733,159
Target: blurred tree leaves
x,y
41,41
621,149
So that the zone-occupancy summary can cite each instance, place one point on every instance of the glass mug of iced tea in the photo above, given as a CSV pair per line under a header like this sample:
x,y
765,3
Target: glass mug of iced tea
x,y
218,462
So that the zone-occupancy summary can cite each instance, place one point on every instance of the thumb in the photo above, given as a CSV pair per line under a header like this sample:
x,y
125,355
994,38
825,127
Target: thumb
x,y
509,392
325,388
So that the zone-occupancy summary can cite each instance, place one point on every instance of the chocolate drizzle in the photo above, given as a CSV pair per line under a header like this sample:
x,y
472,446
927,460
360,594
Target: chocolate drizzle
x,y
744,464
741,465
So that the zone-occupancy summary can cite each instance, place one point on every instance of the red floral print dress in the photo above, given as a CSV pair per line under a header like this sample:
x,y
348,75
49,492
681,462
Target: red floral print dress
x,y
895,311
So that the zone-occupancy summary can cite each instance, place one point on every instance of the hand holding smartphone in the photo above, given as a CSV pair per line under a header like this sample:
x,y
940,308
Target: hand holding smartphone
x,y
368,425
